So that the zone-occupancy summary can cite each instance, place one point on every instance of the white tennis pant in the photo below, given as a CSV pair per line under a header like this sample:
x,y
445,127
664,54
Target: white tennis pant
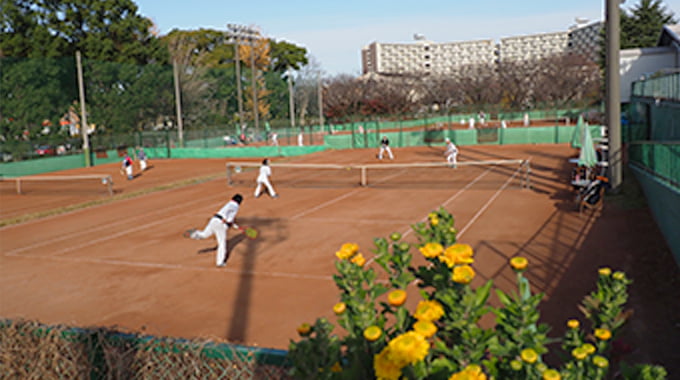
x,y
452,158
266,183
385,149
142,165
128,171
219,229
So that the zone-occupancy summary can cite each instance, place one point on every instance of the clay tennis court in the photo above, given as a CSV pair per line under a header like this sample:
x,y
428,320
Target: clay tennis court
x,y
124,263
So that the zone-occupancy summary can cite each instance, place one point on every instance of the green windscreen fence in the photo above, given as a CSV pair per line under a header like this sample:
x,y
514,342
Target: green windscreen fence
x,y
661,159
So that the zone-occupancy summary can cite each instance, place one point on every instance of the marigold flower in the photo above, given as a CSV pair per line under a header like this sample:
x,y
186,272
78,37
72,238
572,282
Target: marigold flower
x,y
519,263
529,355
551,374
603,334
304,329
579,353
372,333
339,308
408,348
347,251
396,297
431,250
573,323
516,365
384,367
471,372
428,311
359,260
425,328
336,367
463,274
434,221
604,271
619,276
457,254
588,348
600,361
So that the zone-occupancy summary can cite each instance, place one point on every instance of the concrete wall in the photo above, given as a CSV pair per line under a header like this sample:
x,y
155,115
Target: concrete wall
x,y
636,63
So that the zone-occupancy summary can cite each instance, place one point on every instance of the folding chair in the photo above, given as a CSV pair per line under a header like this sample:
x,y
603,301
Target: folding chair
x,y
592,197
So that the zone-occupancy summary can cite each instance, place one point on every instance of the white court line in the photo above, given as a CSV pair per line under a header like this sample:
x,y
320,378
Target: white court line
x,y
178,267
486,205
107,226
453,197
355,221
308,211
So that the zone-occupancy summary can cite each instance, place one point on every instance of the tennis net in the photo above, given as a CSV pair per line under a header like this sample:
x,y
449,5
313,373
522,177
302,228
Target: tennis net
x,y
416,174
58,183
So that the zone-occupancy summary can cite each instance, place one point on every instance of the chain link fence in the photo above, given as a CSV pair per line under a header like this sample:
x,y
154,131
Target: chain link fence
x,y
30,350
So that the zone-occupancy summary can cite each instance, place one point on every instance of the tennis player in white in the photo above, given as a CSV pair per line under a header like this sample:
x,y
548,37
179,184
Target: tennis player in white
x,y
263,179
451,153
218,226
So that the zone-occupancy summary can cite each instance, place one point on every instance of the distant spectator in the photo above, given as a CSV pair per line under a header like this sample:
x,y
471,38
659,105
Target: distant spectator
x,y
526,119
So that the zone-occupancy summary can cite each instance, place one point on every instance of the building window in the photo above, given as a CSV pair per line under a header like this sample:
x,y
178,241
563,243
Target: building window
x,y
427,56
427,65
427,48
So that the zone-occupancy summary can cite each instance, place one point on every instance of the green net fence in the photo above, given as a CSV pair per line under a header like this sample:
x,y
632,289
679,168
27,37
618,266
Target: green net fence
x,y
30,350
662,159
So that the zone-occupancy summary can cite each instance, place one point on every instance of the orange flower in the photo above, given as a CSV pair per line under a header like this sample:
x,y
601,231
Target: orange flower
x,y
428,311
339,308
396,297
457,254
372,333
425,328
304,329
519,263
463,274
358,260
431,250
603,334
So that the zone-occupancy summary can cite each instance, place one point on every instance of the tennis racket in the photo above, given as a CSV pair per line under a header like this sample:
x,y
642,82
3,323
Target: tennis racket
x,y
250,232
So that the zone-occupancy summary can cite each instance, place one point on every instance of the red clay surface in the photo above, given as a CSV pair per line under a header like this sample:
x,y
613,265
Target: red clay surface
x,y
126,264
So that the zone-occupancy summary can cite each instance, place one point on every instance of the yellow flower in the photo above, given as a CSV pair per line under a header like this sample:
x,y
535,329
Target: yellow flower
x,y
573,323
396,297
588,348
463,274
600,361
529,355
519,263
516,365
471,372
431,250
359,260
579,353
408,348
434,221
551,374
336,367
619,276
428,311
304,329
347,251
603,334
457,254
425,328
605,271
384,367
372,333
339,308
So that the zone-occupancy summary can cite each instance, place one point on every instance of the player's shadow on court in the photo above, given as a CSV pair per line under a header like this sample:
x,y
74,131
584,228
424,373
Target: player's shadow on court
x,y
231,243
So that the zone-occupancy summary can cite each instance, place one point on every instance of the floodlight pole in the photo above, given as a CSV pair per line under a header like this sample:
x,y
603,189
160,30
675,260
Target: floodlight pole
x,y
239,34
83,113
178,104
238,84
613,92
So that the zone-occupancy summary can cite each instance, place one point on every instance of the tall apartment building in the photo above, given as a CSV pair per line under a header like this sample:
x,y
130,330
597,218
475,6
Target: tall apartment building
x,y
431,58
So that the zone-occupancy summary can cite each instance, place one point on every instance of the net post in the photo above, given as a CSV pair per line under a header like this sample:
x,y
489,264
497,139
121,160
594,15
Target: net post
x,y
229,182
363,176
109,182
18,180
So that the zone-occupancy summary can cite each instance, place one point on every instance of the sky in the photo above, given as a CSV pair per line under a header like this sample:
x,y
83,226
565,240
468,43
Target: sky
x,y
335,31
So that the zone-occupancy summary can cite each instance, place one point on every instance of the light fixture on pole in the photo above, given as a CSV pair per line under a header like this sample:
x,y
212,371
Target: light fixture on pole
x,y
243,35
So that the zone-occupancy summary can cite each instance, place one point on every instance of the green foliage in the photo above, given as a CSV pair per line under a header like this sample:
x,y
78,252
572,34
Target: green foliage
x,y
443,338
285,56
642,26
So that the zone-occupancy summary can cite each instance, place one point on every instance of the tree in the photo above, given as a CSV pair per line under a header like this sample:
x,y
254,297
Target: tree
x,y
642,27
287,56
108,30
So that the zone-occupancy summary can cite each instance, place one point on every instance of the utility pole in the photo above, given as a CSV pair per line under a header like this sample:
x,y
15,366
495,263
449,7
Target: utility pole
x,y
238,85
613,93
83,113
291,98
178,105
243,35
